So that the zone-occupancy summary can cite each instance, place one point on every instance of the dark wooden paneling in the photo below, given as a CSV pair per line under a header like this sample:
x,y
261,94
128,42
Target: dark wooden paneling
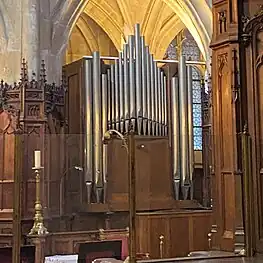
x,y
252,80
226,124
183,232
153,175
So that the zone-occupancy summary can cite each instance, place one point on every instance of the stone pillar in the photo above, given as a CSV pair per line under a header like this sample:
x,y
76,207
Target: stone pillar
x,y
26,32
30,45
10,40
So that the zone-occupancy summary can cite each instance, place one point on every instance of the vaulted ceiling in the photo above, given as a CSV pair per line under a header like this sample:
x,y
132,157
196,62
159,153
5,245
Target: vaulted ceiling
x,y
105,24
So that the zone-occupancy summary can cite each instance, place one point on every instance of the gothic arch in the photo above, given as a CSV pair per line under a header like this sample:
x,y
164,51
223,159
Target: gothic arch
x,y
196,17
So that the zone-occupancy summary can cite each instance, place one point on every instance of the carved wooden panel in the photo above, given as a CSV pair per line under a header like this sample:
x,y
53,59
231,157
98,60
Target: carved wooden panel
x,y
183,232
225,149
74,139
152,163
226,125
253,49
7,164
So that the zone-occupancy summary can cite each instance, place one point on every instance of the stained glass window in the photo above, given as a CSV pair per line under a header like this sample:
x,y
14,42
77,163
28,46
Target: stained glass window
x,y
197,110
192,52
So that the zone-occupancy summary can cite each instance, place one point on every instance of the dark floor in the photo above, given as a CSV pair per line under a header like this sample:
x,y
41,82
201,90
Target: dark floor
x,y
229,260
211,257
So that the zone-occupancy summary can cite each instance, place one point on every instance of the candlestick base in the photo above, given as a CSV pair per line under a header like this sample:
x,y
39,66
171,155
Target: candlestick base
x,y
38,229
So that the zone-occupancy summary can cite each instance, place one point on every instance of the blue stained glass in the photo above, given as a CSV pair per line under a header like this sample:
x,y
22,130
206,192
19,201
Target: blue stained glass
x,y
197,115
195,74
197,132
198,143
197,119
196,96
197,108
196,84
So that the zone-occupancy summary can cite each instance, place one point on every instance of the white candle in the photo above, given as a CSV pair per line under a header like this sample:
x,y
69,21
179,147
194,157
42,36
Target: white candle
x,y
37,159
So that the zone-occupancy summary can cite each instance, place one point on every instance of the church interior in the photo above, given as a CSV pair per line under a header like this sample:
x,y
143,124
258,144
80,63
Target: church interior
x,y
130,131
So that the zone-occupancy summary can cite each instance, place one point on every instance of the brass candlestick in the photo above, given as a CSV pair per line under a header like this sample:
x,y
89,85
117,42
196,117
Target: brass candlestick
x,y
38,228
128,142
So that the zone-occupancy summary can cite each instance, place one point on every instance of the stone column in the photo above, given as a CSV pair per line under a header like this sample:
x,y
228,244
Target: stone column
x,y
30,45
10,40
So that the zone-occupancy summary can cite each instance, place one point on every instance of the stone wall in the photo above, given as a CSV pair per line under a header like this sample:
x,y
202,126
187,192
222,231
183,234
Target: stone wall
x,y
40,29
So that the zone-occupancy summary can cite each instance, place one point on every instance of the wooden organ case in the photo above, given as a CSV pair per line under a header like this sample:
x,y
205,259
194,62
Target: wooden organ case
x,y
104,95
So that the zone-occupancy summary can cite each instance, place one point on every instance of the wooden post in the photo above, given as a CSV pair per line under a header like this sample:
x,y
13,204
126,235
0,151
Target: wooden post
x,y
132,196
17,198
40,247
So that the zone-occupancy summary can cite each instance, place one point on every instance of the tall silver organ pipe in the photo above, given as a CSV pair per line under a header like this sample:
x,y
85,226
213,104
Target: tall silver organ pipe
x,y
184,145
133,89
144,86
156,98
165,99
175,136
153,95
113,102
97,124
104,93
126,86
138,77
149,88
121,83
190,126
162,104
117,95
88,149
132,80
159,97
109,104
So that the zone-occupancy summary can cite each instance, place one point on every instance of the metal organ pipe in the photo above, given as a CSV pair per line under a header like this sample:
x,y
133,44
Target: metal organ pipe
x,y
144,86
113,102
97,127
184,137
109,98
132,80
138,77
104,129
190,125
159,97
149,88
175,136
126,86
156,97
134,89
121,87
165,98
117,95
88,151
162,104
153,95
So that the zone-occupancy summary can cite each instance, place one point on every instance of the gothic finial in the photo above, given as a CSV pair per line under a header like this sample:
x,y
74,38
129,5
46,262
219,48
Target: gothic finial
x,y
43,72
33,76
24,71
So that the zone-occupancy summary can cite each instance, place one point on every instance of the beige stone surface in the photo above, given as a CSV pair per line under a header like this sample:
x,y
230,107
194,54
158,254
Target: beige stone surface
x,y
41,29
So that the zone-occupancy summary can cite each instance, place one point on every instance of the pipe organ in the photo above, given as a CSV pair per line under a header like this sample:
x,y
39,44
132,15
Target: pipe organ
x,y
133,88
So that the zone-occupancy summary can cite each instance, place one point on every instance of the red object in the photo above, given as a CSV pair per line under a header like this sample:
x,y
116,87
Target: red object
x,y
124,244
